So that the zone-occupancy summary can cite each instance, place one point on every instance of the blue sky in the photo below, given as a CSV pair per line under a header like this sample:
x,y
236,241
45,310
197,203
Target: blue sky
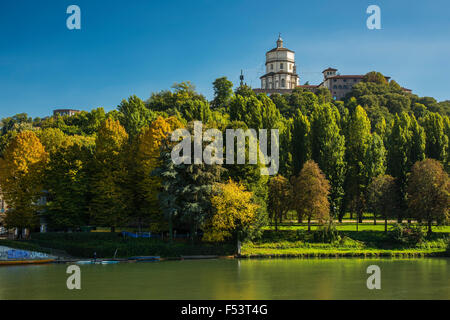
x,y
138,47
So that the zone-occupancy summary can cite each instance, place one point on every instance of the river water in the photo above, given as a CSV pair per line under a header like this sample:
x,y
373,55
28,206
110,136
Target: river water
x,y
427,278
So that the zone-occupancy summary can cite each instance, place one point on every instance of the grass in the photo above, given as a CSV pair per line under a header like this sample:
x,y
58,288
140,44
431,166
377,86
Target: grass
x,y
346,226
369,241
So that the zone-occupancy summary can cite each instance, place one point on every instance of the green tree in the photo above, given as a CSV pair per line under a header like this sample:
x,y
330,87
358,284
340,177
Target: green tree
x,y
429,192
110,195
328,150
67,182
383,198
436,140
223,91
279,199
134,115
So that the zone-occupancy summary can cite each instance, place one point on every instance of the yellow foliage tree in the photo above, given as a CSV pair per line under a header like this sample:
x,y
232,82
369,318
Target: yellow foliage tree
x,y
21,173
150,142
110,195
234,211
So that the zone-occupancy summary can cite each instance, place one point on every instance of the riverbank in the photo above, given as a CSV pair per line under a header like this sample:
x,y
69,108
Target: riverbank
x,y
287,241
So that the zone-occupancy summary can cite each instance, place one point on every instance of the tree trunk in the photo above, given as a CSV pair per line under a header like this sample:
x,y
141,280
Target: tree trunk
x,y
429,227
276,224
374,220
170,229
113,229
309,224
385,225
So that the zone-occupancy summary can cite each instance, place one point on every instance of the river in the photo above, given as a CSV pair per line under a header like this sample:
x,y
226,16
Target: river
x,y
427,278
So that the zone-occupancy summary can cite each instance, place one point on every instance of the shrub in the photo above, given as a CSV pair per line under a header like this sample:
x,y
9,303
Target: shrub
x,y
407,234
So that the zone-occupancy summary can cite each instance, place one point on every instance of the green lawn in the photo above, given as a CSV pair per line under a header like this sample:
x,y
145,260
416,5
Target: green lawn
x,y
345,226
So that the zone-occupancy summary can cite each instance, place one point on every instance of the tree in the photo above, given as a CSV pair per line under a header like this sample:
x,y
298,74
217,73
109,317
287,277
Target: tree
x,y
110,195
280,198
328,150
233,212
311,190
134,115
429,192
67,182
376,77
21,172
383,198
301,143
358,143
406,145
436,140
223,91
186,190
147,185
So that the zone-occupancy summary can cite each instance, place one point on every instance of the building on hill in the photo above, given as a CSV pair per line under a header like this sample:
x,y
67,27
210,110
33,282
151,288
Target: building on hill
x,y
281,72
65,112
281,76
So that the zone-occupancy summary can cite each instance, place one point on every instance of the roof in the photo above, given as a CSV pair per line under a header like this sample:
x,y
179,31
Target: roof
x,y
329,69
278,72
307,86
356,76
280,49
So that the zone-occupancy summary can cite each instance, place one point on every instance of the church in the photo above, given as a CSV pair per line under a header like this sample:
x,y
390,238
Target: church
x,y
281,75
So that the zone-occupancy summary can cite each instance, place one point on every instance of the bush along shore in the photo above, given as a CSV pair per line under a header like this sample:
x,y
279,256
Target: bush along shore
x,y
288,241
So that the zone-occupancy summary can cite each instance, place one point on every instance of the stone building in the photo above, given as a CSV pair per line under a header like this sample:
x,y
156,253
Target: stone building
x,y
281,73
281,76
65,112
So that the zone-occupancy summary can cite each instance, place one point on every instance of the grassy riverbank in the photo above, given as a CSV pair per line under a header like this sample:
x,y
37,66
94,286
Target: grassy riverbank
x,y
287,241
369,241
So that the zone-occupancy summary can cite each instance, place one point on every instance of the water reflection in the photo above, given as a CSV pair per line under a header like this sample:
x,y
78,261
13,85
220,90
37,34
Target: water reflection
x,y
234,279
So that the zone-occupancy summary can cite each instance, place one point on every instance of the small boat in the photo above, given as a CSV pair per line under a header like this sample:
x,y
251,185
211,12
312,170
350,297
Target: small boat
x,y
19,262
147,258
109,262
85,262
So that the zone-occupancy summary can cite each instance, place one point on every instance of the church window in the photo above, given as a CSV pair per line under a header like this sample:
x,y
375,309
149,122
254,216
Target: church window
x,y
281,65
271,67
335,87
283,83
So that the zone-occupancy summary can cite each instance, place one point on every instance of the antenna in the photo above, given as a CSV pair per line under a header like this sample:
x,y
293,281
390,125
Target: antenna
x,y
241,77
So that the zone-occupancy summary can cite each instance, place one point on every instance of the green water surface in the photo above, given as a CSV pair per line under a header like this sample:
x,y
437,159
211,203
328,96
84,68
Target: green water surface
x,y
233,279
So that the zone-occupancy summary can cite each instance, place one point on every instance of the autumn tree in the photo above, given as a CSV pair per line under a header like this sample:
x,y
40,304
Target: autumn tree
x,y
279,199
311,190
67,182
233,212
383,198
110,195
429,192
148,185
21,173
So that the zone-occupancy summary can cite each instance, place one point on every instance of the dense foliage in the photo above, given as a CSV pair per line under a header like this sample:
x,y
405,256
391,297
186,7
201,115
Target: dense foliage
x,y
114,169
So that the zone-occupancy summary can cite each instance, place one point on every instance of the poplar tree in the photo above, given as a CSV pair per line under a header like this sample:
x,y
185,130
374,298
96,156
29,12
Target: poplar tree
x,y
328,151
109,182
301,143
